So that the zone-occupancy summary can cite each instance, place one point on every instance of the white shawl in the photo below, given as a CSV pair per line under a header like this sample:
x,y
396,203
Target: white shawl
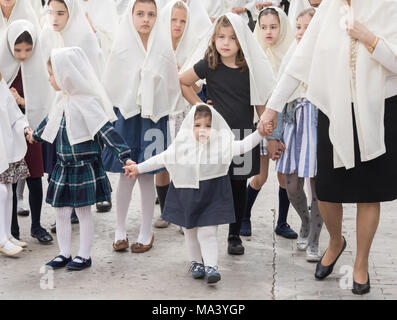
x,y
13,146
83,100
214,8
22,10
37,92
295,8
322,61
139,81
77,33
189,161
276,52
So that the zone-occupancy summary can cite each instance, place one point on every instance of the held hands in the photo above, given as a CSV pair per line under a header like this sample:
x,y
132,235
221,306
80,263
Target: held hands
x,y
268,122
131,169
275,148
29,136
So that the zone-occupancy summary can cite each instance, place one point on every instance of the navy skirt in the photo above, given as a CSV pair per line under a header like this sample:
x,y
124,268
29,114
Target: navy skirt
x,y
210,205
145,138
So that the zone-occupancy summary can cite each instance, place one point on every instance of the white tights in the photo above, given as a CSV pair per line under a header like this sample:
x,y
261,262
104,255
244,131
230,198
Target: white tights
x,y
123,199
202,245
5,212
64,230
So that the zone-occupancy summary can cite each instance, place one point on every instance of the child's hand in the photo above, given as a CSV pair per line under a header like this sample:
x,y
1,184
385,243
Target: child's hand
x,y
131,169
29,136
20,101
238,10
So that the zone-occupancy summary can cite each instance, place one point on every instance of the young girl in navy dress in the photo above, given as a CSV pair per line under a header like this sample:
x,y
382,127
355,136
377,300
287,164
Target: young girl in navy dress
x,y
238,76
80,122
200,194
141,78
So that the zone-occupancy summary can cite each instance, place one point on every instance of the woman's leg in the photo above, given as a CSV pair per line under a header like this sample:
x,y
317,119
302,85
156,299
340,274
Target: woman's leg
x,y
123,199
35,202
367,223
193,245
297,196
332,214
64,230
316,221
86,231
209,245
148,198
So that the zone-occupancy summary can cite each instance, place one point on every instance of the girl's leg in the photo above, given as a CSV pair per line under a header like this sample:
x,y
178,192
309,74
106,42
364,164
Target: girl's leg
x,y
209,245
64,230
14,223
4,199
19,193
193,245
332,214
148,199
316,221
298,200
123,199
367,222
86,231
162,185
35,202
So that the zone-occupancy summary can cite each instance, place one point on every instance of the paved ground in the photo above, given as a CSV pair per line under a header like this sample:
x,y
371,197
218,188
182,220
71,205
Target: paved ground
x,y
272,268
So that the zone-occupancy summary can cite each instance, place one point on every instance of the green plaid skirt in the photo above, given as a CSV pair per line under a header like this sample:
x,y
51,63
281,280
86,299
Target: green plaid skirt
x,y
78,184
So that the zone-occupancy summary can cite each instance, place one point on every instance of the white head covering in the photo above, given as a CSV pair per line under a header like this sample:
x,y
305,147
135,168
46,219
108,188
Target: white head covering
x,y
83,99
140,81
295,8
22,10
189,161
214,7
37,91
77,33
104,17
322,61
37,6
276,52
262,79
13,146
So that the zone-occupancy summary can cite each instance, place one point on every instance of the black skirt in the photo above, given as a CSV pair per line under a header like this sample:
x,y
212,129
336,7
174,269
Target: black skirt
x,y
210,205
369,181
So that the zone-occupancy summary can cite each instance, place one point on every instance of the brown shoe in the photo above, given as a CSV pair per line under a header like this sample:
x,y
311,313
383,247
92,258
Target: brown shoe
x,y
139,247
121,245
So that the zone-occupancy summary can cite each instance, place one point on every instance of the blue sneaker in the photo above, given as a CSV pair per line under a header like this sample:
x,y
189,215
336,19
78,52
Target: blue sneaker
x,y
59,262
197,269
284,230
79,263
211,275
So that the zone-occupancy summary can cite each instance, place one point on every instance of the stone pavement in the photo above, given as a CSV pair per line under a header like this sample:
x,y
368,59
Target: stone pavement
x,y
272,268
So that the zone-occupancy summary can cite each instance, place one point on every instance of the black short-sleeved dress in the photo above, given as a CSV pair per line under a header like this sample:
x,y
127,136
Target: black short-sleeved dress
x,y
229,90
369,181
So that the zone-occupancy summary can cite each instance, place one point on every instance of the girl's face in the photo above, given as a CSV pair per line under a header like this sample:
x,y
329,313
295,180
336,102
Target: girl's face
x,y
58,14
301,26
144,17
315,3
51,78
23,51
226,42
270,28
178,22
202,129
7,3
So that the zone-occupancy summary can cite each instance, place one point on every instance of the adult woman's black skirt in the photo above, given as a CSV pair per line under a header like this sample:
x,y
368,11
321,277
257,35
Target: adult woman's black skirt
x,y
370,181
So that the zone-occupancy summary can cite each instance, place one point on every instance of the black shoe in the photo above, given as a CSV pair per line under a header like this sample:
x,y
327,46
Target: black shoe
x,y
23,212
245,229
53,228
59,264
104,206
157,200
42,235
284,230
73,218
235,246
359,288
324,271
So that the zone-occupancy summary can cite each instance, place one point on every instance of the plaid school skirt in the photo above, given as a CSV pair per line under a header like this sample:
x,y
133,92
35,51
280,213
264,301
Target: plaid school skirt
x,y
78,184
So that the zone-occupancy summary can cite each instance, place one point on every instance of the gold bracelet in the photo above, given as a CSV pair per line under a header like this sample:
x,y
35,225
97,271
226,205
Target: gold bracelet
x,y
371,48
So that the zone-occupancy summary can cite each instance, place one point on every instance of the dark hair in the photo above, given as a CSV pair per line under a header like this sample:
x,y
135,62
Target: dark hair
x,y
212,55
144,1
269,11
60,1
202,111
24,37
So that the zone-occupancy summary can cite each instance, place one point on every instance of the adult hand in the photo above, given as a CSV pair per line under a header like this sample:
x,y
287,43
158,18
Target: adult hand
x,y
360,32
275,148
268,121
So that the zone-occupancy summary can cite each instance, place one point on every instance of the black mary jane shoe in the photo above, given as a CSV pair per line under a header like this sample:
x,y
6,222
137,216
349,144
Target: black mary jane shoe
x,y
361,289
43,236
104,206
324,271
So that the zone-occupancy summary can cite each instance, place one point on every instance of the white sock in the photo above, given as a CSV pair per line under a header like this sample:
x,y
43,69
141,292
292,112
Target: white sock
x,y
209,245
64,230
123,198
192,245
148,200
86,222
5,224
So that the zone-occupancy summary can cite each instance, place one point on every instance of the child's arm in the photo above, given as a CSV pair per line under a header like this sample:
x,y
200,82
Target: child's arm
x,y
243,146
187,81
152,164
115,143
36,135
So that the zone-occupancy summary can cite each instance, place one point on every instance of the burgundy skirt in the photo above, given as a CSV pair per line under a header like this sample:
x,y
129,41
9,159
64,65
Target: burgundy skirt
x,y
34,160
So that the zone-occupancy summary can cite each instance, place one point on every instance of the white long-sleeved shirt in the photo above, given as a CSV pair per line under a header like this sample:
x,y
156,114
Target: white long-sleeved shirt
x,y
239,147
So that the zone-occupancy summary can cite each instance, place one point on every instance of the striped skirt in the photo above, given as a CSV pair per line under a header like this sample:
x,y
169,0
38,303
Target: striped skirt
x,y
300,139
